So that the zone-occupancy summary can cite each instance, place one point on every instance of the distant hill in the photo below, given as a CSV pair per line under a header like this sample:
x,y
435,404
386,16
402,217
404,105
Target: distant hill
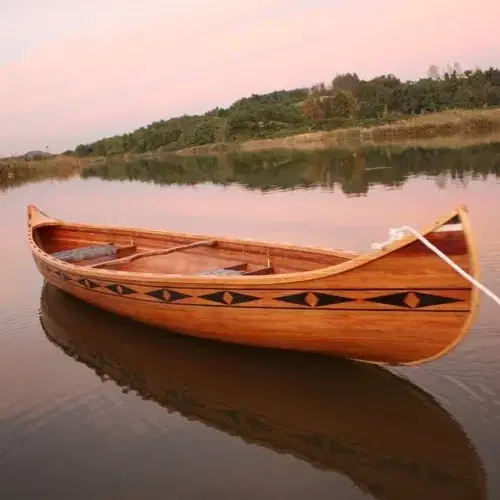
x,y
347,101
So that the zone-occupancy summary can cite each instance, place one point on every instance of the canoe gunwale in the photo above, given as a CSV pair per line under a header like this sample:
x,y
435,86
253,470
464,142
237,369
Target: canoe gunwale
x,y
38,219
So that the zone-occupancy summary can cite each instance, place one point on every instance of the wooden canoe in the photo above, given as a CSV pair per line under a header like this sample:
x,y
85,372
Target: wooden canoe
x,y
388,436
398,305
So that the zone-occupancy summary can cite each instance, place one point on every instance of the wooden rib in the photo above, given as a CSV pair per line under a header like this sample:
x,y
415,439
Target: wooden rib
x,y
153,253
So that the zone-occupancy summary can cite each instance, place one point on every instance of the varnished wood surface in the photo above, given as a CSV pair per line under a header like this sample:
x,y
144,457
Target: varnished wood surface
x,y
384,433
155,253
400,305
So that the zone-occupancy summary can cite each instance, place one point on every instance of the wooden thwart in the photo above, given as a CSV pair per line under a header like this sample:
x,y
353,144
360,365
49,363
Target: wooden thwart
x,y
154,253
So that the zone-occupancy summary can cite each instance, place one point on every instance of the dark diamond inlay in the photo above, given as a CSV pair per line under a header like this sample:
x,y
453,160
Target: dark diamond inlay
x,y
120,289
314,299
229,298
87,283
167,295
427,299
63,276
413,300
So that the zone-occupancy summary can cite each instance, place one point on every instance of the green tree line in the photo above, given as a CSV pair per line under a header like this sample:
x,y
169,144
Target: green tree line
x,y
346,101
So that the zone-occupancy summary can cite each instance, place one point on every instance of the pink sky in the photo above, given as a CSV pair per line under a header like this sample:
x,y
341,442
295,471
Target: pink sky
x,y
72,73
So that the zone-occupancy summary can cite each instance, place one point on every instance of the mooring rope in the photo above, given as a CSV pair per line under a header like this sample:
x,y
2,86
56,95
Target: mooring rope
x,y
398,233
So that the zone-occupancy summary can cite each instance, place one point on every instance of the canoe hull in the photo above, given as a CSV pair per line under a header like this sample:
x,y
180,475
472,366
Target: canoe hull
x,y
415,309
384,334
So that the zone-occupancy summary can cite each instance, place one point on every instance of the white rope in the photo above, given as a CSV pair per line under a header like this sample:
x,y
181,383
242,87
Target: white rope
x,y
398,233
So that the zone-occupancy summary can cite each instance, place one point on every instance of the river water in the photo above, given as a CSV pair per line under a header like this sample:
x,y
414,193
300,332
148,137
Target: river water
x,y
93,406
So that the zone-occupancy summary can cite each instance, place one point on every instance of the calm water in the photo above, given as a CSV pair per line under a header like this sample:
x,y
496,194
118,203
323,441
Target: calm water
x,y
96,407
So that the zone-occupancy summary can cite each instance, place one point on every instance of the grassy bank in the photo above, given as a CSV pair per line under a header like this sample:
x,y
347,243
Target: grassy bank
x,y
56,161
18,171
453,127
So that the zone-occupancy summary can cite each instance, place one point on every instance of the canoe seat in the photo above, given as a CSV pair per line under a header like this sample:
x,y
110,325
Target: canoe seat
x,y
220,272
84,253
236,270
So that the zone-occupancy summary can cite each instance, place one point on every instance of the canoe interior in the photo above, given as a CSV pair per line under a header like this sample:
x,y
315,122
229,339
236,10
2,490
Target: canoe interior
x,y
212,256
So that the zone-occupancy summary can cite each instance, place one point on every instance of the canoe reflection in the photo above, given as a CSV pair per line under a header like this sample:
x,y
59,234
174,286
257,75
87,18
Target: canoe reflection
x,y
387,435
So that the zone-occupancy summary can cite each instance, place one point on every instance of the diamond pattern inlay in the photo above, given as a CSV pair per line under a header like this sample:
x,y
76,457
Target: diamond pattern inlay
x,y
413,300
166,295
314,299
63,276
87,283
229,298
311,299
427,299
120,289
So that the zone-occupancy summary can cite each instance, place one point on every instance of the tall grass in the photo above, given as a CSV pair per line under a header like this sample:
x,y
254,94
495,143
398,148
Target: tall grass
x,y
462,123
50,162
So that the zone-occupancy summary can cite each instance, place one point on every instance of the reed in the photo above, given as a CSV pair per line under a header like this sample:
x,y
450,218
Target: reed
x,y
51,162
16,171
462,125
477,121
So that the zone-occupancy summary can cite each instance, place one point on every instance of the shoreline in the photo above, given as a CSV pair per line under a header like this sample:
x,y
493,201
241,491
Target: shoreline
x,y
50,162
448,129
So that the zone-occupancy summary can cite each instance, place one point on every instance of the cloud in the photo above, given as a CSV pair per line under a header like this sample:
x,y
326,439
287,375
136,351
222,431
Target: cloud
x,y
126,70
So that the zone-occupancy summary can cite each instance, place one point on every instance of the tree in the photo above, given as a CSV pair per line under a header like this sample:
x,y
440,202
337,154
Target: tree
x,y
341,104
373,99
390,81
83,150
345,81
465,97
312,107
493,96
319,88
433,72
